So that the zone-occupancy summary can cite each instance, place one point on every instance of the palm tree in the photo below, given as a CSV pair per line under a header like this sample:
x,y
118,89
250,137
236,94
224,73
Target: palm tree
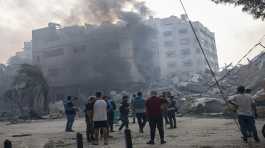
x,y
30,88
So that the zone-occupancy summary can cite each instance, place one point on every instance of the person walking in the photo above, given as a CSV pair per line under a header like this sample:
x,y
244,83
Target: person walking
x,y
245,106
100,117
155,117
132,108
139,108
89,119
172,112
70,112
124,112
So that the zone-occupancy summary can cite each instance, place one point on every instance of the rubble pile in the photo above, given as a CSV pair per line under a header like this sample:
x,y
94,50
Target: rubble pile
x,y
202,96
198,95
56,110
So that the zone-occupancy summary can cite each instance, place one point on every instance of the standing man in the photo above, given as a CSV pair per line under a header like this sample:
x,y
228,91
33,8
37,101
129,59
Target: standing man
x,y
132,107
139,108
70,112
154,114
172,112
100,118
124,112
89,119
245,105
111,113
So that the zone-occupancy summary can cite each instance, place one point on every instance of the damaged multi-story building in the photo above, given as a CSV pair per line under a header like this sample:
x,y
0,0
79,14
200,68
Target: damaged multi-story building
x,y
86,58
178,52
121,56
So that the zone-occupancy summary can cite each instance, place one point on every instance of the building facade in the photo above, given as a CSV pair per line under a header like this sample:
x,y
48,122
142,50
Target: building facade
x,y
178,52
109,56
85,57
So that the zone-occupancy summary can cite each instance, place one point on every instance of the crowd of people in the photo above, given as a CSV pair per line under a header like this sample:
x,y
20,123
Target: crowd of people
x,y
100,112
154,110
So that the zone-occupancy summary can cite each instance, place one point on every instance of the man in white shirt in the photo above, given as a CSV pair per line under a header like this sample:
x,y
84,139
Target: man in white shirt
x,y
245,105
100,118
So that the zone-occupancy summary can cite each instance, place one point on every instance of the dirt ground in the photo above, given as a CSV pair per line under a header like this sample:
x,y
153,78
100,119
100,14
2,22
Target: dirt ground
x,y
191,133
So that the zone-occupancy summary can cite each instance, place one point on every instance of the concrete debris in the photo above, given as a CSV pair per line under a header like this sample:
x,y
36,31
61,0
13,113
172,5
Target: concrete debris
x,y
56,110
208,105
201,105
197,95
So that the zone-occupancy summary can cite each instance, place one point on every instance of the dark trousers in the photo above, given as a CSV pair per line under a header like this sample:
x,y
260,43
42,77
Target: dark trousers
x,y
133,115
172,119
247,126
70,121
141,119
165,115
125,122
156,122
90,133
89,130
111,119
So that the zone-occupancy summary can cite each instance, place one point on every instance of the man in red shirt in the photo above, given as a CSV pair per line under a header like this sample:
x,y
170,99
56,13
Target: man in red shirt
x,y
155,117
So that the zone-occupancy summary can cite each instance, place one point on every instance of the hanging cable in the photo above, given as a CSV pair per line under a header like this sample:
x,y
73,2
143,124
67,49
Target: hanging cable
x,y
261,45
234,67
207,61
231,70
203,52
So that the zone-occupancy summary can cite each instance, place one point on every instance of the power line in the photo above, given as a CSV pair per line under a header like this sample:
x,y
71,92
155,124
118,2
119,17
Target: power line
x,y
239,61
262,45
233,68
202,50
206,59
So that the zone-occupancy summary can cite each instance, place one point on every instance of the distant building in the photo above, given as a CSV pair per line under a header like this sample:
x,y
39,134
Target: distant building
x,y
178,53
22,57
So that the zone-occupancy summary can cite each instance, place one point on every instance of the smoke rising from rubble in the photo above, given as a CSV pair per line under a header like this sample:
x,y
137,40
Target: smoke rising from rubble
x,y
107,14
19,17
105,43
23,16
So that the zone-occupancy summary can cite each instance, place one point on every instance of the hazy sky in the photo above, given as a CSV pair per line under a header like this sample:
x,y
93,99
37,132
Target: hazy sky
x,y
235,31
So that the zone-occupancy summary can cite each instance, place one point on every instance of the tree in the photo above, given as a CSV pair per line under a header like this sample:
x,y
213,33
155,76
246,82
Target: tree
x,y
29,89
253,7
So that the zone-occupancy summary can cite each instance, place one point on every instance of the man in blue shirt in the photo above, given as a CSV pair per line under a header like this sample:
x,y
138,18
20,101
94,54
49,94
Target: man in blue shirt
x,y
139,109
70,112
111,112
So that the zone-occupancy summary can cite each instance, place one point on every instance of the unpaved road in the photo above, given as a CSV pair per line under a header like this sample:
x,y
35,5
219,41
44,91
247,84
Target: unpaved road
x,y
191,132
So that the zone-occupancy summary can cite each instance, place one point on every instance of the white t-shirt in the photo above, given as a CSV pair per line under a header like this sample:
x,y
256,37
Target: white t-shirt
x,y
244,103
100,111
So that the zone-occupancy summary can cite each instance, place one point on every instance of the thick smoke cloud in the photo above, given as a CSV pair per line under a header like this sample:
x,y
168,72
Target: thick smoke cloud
x,y
104,43
98,11
19,17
